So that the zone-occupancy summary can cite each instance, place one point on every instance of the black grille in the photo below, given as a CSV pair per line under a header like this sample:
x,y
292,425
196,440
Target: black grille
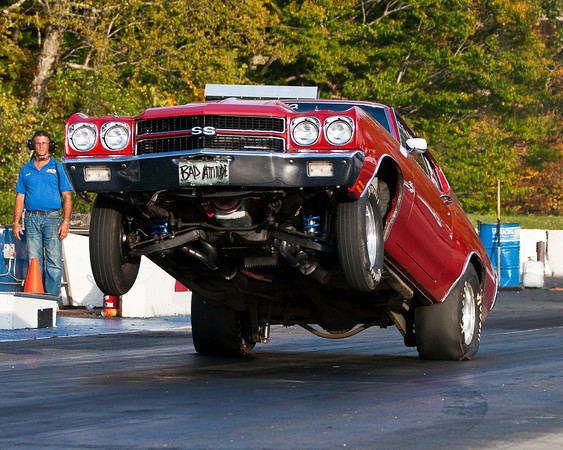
x,y
186,123
219,142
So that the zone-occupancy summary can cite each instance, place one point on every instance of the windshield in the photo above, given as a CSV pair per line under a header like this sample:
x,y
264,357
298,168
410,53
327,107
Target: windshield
x,y
377,112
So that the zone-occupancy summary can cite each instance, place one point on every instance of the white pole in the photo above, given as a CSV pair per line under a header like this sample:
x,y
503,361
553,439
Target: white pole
x,y
498,229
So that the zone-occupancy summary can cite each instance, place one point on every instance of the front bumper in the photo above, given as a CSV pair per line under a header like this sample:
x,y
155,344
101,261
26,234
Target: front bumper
x,y
246,170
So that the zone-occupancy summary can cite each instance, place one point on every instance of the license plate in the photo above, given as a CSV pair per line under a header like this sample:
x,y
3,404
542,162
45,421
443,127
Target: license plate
x,y
201,173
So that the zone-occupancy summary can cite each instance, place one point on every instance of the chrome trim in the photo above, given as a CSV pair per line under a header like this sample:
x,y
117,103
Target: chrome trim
x,y
363,105
226,130
295,122
330,120
196,153
398,137
106,126
497,283
374,176
238,152
465,266
72,130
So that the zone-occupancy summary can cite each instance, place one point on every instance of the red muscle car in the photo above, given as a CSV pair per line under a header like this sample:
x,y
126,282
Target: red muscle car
x,y
275,207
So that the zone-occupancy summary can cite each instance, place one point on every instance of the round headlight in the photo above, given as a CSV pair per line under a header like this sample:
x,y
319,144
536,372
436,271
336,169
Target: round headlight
x,y
115,135
305,131
82,136
339,130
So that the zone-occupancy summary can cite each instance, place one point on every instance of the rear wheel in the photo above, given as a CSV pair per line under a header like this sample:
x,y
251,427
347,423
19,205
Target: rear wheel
x,y
114,270
218,330
359,237
452,330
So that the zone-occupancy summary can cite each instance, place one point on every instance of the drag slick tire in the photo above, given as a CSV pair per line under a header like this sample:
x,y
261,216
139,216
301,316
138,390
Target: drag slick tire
x,y
218,330
451,330
114,271
359,237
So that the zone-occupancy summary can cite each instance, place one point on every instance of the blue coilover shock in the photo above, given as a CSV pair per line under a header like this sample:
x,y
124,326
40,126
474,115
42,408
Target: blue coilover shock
x,y
160,226
312,225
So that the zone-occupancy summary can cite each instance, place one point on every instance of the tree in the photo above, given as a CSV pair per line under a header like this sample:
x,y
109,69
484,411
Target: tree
x,y
470,74
481,80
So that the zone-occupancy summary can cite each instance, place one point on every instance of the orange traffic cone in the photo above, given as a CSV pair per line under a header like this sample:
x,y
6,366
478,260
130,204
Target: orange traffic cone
x,y
34,284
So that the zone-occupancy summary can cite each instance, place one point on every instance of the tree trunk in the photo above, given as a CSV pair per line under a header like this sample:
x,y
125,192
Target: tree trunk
x,y
47,59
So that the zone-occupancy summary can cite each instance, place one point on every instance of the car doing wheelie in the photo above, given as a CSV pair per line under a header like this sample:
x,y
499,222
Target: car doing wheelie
x,y
275,207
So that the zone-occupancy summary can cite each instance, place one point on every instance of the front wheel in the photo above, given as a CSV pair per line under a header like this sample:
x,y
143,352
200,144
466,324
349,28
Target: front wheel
x,y
114,270
451,330
218,330
359,237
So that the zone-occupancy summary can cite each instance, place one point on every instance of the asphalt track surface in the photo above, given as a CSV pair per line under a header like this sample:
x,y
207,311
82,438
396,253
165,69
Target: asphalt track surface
x,y
144,386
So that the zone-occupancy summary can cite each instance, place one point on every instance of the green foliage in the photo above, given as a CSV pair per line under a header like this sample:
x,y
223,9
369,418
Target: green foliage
x,y
7,206
473,155
481,80
526,222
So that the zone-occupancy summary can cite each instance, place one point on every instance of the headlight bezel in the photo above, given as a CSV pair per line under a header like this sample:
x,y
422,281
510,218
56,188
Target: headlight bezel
x,y
331,122
72,136
108,127
298,123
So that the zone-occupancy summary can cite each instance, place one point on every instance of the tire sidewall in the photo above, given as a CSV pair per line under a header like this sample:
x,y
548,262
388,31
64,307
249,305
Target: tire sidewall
x,y
471,279
217,330
439,330
113,274
351,237
375,269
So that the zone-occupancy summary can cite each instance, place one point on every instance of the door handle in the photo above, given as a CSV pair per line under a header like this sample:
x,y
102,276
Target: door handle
x,y
446,199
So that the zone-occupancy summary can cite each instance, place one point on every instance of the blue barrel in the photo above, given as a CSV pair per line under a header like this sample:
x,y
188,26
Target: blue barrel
x,y
509,250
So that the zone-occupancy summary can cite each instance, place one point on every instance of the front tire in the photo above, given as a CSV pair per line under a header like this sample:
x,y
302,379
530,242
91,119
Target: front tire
x,y
359,238
114,271
451,330
218,330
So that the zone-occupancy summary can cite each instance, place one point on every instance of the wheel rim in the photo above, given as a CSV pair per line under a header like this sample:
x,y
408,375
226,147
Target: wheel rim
x,y
468,314
371,235
126,230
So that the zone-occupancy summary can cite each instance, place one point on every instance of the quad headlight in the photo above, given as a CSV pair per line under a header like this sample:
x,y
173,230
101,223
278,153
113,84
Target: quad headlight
x,y
339,130
305,131
115,135
82,136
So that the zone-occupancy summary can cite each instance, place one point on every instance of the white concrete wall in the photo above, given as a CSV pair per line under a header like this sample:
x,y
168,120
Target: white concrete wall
x,y
154,292
554,249
152,295
82,284
21,311
555,252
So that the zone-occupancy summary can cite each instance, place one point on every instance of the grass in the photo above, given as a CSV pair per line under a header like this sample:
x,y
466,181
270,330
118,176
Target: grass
x,y
526,222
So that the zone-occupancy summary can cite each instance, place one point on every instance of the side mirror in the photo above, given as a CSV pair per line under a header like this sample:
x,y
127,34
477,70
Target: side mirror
x,y
418,145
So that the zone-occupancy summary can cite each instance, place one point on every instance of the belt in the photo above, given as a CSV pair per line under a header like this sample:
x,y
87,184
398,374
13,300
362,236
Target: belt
x,y
42,213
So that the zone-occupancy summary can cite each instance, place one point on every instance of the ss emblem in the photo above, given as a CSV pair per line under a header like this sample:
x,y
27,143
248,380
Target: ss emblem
x,y
207,131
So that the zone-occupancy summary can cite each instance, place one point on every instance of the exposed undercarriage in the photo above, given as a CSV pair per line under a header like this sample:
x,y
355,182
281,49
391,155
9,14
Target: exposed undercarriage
x,y
270,255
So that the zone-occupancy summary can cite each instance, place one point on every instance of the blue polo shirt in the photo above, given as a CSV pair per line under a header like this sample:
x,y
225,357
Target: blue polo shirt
x,y
42,188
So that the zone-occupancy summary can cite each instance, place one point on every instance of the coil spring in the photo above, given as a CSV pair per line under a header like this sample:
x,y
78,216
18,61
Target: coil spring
x,y
160,227
312,225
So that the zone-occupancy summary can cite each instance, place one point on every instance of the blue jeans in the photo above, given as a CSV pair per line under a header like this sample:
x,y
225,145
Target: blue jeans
x,y
42,234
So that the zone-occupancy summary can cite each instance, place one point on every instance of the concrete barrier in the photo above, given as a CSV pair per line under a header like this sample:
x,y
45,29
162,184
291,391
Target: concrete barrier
x,y
555,252
18,310
152,295
554,249
155,292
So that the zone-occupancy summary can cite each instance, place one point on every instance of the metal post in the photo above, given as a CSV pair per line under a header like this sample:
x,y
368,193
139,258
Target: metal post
x,y
498,229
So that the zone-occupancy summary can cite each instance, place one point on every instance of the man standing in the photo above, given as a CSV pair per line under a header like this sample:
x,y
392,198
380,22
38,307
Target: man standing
x,y
41,182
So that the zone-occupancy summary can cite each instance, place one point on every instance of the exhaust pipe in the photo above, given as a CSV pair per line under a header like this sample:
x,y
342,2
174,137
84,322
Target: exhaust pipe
x,y
305,262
